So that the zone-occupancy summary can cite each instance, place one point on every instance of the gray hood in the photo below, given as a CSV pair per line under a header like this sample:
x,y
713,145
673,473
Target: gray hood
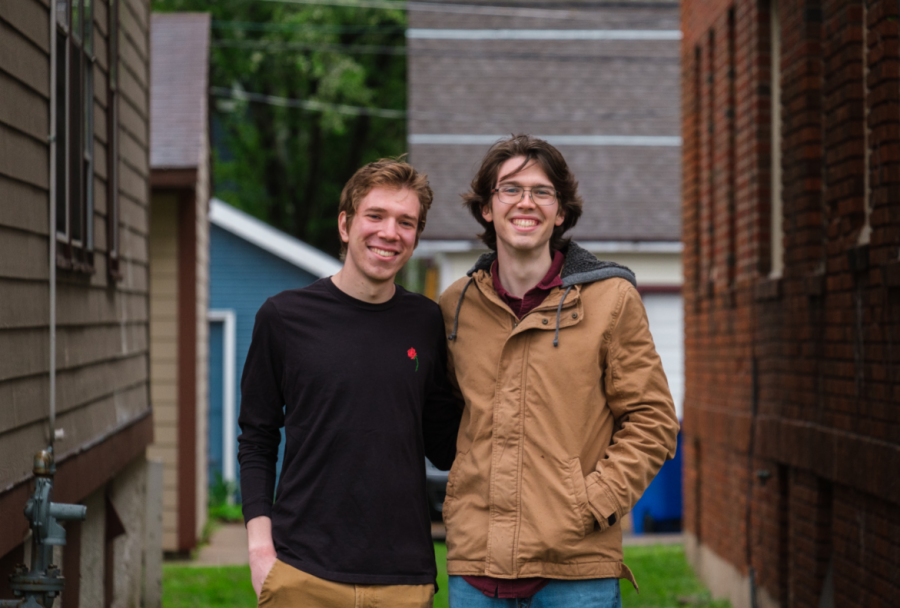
x,y
580,267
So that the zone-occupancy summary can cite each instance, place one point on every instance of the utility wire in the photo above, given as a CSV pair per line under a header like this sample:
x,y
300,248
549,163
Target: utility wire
x,y
459,9
307,27
350,49
646,23
320,106
315,106
361,49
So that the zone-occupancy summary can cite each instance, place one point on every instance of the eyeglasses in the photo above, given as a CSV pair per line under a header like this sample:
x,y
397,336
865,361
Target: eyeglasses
x,y
512,195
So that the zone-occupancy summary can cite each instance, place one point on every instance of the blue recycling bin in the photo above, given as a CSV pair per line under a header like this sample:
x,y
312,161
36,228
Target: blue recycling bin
x,y
660,508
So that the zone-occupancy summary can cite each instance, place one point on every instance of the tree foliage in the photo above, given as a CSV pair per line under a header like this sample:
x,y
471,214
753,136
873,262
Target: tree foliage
x,y
287,165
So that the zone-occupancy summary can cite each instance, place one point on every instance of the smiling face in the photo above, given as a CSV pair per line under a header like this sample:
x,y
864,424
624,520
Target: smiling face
x,y
522,228
381,235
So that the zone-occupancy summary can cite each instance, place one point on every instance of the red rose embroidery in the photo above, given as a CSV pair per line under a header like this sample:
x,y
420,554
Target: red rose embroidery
x,y
411,353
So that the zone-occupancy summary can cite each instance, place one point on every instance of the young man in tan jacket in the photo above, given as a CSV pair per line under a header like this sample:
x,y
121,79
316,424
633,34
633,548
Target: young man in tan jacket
x,y
568,415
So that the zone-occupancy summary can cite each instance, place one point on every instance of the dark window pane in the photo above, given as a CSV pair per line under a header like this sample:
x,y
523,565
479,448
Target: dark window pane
x,y
88,18
113,44
76,154
61,135
77,18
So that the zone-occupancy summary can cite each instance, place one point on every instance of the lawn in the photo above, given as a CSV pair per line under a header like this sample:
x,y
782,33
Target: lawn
x,y
665,578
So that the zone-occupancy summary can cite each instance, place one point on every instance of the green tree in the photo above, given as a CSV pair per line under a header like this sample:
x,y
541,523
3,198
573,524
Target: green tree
x,y
287,165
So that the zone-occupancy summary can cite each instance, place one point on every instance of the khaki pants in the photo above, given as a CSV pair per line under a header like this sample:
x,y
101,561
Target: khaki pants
x,y
287,587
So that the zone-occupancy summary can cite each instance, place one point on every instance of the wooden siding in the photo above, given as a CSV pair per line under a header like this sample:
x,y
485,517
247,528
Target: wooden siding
x,y
201,201
103,352
242,276
164,354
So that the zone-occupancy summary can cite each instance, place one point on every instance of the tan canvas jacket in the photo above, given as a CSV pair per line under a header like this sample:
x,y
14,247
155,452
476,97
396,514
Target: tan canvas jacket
x,y
554,439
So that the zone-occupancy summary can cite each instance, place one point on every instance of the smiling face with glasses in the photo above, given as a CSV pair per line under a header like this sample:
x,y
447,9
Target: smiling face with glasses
x,y
524,224
510,194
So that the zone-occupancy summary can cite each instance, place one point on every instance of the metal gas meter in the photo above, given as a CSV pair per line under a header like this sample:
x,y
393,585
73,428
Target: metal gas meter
x,y
38,586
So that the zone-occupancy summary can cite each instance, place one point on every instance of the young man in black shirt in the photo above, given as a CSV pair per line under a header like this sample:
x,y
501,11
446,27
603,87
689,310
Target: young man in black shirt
x,y
353,368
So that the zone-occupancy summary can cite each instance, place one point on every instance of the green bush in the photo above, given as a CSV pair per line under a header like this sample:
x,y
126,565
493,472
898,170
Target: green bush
x,y
221,505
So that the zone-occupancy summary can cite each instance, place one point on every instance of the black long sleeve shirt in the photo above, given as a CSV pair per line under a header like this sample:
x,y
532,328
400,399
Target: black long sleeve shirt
x,y
361,392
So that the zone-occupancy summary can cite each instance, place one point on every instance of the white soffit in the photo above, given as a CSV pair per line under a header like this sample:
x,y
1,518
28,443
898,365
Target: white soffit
x,y
428,247
272,240
471,139
632,246
432,246
511,34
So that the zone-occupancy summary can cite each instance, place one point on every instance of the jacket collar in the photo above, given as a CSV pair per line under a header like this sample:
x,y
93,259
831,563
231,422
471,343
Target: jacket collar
x,y
580,267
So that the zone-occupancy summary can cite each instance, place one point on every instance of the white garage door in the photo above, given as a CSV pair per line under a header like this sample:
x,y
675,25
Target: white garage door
x,y
666,314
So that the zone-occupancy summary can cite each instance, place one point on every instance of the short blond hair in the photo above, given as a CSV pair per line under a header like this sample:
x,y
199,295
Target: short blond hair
x,y
387,173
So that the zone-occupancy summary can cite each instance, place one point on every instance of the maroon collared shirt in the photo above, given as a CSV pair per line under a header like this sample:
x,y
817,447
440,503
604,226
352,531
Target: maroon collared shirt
x,y
534,296
520,587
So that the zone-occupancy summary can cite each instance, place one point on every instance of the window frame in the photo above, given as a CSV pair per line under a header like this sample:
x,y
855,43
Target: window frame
x,y
74,129
113,244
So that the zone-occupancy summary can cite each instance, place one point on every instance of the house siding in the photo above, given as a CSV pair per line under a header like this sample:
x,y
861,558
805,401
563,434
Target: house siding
x,y
242,277
201,200
102,346
164,354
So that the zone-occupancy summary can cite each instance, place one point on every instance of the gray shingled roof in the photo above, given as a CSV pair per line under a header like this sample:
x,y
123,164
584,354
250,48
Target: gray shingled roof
x,y
179,67
593,87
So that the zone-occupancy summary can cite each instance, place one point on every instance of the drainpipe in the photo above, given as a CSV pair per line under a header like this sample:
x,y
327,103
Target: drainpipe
x,y
51,233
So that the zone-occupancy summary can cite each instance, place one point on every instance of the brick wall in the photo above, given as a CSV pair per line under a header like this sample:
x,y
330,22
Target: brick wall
x,y
792,404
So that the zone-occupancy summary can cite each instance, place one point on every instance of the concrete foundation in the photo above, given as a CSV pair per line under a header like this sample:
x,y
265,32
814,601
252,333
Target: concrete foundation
x,y
722,579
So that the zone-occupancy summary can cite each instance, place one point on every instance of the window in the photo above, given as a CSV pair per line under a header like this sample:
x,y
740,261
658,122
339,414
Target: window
x,y
710,274
74,57
865,234
776,208
732,155
112,145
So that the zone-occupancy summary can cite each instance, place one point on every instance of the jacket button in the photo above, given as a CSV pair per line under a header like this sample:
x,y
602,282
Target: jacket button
x,y
544,321
574,315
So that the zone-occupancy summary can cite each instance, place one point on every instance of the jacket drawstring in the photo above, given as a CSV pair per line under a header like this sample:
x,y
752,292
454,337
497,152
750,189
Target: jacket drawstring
x,y
558,313
452,335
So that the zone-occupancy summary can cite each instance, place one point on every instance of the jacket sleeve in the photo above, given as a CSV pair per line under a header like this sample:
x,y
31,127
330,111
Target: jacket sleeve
x,y
442,412
646,425
262,413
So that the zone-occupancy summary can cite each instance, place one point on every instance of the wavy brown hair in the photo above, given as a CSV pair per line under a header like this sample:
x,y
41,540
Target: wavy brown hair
x,y
392,173
553,164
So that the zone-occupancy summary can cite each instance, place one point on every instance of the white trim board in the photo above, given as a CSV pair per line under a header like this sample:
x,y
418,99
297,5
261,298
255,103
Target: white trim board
x,y
472,139
429,247
632,246
274,241
511,34
229,338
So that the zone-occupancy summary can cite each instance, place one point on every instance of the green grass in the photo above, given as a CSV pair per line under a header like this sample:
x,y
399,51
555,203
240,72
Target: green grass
x,y
662,571
441,599
215,587
665,579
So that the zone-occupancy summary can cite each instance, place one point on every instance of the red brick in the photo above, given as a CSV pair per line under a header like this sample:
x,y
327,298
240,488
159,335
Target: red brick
x,y
828,358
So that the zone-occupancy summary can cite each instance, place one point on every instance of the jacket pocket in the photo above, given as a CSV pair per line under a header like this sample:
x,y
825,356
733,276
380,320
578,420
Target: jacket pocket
x,y
579,497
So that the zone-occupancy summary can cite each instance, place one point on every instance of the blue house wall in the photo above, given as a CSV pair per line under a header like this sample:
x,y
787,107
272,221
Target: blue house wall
x,y
242,276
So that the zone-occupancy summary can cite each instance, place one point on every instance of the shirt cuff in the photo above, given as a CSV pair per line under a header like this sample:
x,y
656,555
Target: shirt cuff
x,y
254,510
601,502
